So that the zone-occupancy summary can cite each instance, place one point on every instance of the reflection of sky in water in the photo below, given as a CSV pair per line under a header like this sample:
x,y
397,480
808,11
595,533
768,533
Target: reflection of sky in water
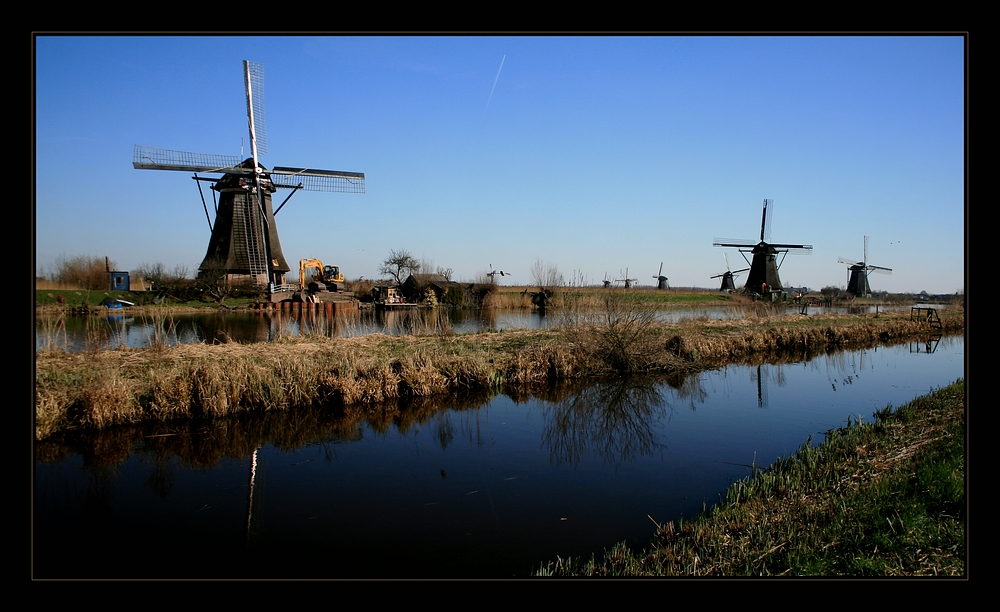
x,y
102,332
485,491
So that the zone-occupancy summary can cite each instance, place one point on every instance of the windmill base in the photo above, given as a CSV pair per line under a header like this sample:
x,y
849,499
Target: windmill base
x,y
770,296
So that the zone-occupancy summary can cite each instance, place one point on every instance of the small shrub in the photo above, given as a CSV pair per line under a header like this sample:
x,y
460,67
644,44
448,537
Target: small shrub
x,y
90,273
430,298
627,337
483,293
453,297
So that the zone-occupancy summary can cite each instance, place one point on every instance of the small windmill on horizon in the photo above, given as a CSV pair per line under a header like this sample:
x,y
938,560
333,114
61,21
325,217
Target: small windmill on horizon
x,y
626,281
494,273
661,281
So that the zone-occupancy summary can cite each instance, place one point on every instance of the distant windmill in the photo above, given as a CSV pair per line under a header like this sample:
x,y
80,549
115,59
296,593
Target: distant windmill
x,y
763,277
607,280
244,242
857,282
661,281
493,273
729,276
626,280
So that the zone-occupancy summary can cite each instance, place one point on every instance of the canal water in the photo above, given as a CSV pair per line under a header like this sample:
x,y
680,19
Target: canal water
x,y
468,487
79,333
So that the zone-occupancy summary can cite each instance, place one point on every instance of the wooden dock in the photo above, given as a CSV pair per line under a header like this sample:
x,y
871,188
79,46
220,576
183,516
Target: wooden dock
x,y
926,312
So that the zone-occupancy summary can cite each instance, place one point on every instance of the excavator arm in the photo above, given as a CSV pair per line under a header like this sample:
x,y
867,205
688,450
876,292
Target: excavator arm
x,y
305,264
330,278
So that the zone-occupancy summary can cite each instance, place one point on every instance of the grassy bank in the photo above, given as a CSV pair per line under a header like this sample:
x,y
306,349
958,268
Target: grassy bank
x,y
101,388
885,498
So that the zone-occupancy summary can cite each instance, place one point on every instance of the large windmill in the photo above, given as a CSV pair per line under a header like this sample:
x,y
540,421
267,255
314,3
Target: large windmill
x,y
857,282
244,242
729,277
661,281
763,277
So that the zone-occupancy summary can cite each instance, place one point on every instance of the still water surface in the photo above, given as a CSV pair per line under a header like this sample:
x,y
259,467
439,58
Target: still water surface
x,y
114,330
477,487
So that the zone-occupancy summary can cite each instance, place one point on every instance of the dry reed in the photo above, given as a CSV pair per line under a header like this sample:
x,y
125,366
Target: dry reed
x,y
52,330
101,388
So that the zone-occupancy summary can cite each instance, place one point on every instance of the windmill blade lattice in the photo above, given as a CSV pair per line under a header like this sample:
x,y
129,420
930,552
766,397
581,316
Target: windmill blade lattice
x,y
318,180
149,158
253,79
765,221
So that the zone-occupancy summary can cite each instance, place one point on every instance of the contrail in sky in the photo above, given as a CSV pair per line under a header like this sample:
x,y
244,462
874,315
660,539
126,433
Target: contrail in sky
x,y
494,85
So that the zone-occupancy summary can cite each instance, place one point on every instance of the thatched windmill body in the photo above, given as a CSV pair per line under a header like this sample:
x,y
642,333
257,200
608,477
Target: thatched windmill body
x,y
244,242
858,271
763,277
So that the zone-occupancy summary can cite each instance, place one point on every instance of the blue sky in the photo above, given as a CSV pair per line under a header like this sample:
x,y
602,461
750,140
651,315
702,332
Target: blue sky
x,y
596,154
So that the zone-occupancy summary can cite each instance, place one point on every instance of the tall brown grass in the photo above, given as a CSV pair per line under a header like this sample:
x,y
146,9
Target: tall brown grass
x,y
101,388
51,330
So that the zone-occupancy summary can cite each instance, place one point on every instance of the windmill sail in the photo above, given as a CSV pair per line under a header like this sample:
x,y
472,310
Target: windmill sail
x,y
318,180
149,158
765,221
253,80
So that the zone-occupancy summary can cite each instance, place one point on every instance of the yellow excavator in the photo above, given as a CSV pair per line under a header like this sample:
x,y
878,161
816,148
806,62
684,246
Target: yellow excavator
x,y
330,278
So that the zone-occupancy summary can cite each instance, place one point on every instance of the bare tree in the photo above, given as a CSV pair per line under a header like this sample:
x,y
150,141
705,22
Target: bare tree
x,y
398,264
157,275
546,275
181,272
151,274
445,272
